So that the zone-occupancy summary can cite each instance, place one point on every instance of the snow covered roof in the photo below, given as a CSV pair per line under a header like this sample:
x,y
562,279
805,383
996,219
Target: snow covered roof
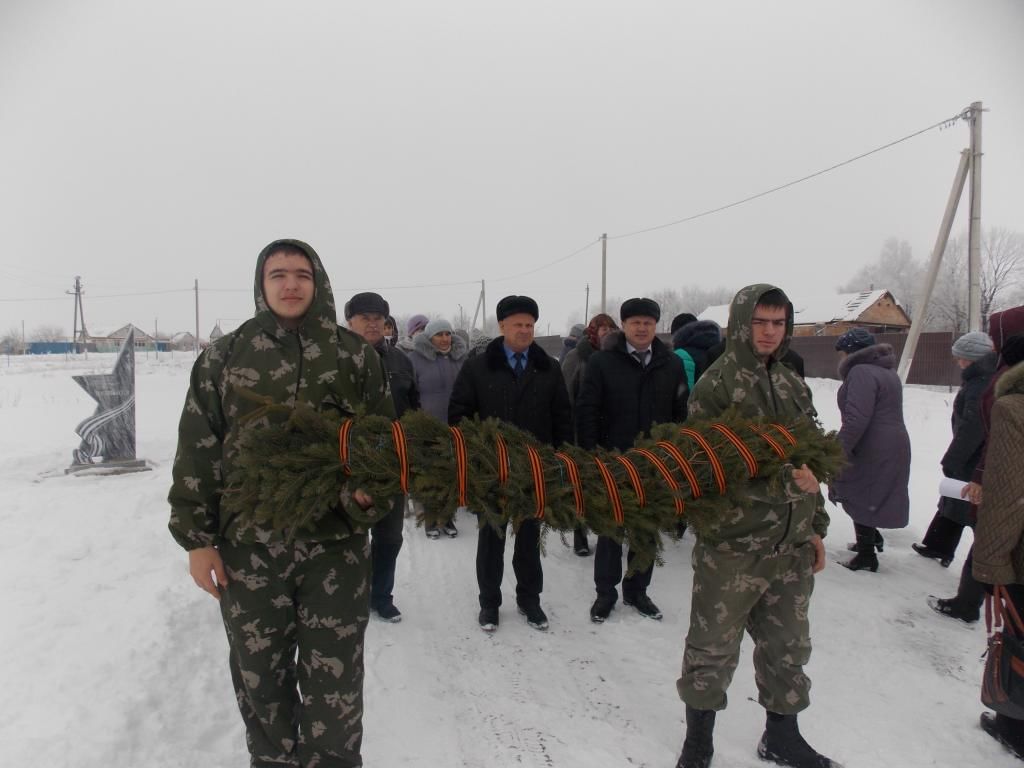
x,y
825,308
835,307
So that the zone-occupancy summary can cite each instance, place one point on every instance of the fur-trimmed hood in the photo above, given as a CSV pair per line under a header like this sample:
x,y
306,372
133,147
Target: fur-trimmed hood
x,y
881,355
1011,382
421,345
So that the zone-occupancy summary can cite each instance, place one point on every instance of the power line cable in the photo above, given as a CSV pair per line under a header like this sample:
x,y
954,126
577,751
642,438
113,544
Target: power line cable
x,y
549,264
941,124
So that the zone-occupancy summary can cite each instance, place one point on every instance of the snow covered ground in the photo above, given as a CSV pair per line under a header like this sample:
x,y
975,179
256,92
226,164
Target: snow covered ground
x,y
112,657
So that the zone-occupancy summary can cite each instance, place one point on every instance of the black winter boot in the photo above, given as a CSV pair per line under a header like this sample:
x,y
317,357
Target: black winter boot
x,y
698,747
783,744
879,543
865,559
1005,730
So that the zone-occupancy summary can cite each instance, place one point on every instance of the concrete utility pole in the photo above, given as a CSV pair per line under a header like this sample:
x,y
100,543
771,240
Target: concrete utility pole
x,y
974,227
195,342
586,305
907,358
604,271
74,322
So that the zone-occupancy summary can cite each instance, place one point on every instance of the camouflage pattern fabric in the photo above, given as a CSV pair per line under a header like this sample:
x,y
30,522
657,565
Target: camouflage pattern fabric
x,y
759,389
753,570
310,597
768,596
321,363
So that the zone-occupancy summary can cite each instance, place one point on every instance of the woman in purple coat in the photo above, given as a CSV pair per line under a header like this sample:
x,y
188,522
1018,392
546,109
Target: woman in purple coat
x,y
873,486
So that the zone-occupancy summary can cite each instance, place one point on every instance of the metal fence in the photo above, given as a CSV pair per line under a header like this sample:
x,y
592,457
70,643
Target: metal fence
x,y
933,360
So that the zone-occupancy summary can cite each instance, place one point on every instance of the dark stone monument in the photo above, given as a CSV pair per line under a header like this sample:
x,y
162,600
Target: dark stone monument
x,y
108,436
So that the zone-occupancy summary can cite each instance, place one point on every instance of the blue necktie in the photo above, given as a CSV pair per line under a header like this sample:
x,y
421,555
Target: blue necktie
x,y
517,371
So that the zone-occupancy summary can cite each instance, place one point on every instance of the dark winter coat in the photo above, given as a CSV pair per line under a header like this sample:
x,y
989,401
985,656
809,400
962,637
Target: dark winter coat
x,y
574,367
320,364
999,534
539,403
436,372
401,378
620,400
873,487
695,339
965,450
774,515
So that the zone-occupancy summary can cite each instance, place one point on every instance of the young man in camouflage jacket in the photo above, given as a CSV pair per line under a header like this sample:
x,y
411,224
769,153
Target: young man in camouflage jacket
x,y
755,568
277,596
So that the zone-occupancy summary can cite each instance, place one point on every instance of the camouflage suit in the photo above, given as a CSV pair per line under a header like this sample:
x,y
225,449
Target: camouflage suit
x,y
753,570
309,595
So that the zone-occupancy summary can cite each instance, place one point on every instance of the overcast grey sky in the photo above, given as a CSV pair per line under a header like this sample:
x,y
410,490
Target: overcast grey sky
x,y
144,145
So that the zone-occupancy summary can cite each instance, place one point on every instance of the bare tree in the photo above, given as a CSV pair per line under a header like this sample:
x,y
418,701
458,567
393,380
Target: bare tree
x,y
48,333
895,271
10,342
1002,260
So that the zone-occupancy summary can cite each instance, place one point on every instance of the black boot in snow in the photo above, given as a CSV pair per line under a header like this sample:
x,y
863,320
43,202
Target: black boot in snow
x,y
698,747
783,744
1006,731
879,543
865,559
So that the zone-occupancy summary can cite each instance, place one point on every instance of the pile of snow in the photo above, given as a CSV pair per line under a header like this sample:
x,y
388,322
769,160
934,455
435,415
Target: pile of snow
x,y
112,656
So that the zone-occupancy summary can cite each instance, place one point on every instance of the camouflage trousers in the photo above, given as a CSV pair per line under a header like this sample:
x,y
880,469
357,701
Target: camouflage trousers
x,y
295,616
768,595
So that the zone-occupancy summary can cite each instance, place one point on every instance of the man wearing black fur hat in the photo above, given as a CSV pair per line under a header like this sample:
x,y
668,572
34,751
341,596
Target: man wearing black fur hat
x,y
366,314
632,384
514,381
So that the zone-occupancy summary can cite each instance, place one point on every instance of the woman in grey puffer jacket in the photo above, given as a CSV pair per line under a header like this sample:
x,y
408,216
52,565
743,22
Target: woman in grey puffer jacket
x,y
437,355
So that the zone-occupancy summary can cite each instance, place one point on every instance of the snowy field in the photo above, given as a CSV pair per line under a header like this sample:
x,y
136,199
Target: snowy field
x,y
112,658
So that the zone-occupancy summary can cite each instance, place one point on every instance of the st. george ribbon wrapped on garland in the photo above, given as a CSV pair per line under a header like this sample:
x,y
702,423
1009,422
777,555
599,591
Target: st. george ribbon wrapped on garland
x,y
295,464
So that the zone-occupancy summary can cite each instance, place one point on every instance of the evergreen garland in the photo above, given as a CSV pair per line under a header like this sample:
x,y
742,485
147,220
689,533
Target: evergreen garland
x,y
289,473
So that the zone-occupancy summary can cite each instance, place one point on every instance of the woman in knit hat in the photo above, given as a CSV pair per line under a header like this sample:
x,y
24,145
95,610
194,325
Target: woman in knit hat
x,y
437,355
873,486
976,356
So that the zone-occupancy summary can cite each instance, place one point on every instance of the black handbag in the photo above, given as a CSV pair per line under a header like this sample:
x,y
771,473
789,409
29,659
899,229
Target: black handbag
x,y
1002,687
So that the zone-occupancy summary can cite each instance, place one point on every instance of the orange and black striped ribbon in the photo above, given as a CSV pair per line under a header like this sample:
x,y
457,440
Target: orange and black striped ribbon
x,y
785,433
716,465
502,451
402,449
684,466
539,490
741,448
613,492
634,478
770,440
343,435
574,479
666,475
461,463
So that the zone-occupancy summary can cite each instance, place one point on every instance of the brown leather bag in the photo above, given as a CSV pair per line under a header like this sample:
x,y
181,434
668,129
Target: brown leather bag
x,y
1002,687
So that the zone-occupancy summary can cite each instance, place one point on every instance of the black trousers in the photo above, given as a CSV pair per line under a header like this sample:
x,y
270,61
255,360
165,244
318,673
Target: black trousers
x,y
490,565
608,571
943,535
385,544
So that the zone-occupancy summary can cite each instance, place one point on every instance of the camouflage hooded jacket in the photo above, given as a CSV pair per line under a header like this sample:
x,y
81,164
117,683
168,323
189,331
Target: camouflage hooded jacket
x,y
319,363
759,388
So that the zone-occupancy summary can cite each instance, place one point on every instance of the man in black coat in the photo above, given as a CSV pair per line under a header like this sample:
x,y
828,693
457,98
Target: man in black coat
x,y
628,388
366,314
514,380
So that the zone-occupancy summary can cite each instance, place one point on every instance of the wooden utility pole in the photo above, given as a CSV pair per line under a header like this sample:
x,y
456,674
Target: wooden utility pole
x,y
604,271
907,358
974,227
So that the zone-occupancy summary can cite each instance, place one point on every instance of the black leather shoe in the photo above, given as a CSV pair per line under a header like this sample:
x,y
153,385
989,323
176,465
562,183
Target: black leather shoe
x,y
601,608
932,554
